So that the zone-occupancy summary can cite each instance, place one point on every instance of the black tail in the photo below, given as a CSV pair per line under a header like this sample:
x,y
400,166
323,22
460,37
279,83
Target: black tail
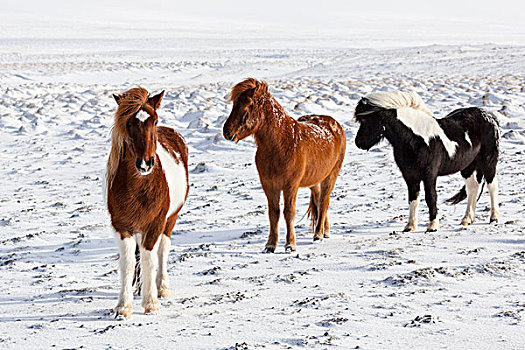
x,y
462,194
458,197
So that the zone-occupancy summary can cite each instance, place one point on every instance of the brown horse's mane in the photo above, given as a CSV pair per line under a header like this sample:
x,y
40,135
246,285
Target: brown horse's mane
x,y
129,103
261,89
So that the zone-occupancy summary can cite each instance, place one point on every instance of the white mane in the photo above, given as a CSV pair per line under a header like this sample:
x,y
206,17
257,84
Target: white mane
x,y
398,99
412,111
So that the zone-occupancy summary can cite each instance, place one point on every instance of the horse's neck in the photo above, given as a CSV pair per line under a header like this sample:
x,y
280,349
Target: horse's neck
x,y
398,136
275,126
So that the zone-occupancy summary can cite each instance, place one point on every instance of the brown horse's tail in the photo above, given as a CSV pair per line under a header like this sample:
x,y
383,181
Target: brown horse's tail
x,y
313,211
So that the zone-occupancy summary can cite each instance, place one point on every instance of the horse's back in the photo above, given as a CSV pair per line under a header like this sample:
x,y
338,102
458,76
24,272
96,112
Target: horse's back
x,y
472,120
327,124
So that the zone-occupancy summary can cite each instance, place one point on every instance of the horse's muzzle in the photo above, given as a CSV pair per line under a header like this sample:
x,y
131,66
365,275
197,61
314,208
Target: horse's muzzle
x,y
228,135
144,167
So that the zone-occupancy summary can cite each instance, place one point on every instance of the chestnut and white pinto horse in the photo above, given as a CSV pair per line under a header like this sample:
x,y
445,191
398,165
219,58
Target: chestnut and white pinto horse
x,y
466,140
147,185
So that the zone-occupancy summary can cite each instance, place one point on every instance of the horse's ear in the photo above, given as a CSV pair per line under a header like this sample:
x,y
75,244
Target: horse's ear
x,y
117,98
155,100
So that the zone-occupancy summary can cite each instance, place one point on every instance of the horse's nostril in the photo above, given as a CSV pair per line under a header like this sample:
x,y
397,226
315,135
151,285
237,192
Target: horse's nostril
x,y
227,134
150,162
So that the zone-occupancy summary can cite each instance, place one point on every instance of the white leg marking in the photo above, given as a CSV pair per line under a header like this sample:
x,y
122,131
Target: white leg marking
x,y
471,186
433,225
163,284
412,215
148,264
494,203
175,174
126,249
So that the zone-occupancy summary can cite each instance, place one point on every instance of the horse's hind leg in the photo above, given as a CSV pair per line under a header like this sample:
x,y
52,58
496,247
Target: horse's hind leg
x,y
488,167
163,285
327,185
126,245
472,187
494,204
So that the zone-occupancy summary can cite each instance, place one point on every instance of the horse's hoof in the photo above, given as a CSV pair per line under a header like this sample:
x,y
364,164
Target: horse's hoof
x,y
432,230
465,223
409,228
120,317
151,311
123,314
493,221
268,250
318,238
326,235
290,249
164,293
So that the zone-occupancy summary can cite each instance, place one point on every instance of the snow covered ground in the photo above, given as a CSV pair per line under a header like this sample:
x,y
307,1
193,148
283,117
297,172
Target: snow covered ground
x,y
368,286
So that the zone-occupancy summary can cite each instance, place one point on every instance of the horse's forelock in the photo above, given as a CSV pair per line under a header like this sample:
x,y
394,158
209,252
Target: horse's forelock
x,y
131,101
260,87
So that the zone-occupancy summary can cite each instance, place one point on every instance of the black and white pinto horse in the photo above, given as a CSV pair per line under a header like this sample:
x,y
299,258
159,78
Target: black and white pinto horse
x,y
466,140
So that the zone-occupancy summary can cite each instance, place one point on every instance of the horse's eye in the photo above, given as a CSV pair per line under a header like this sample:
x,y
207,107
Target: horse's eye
x,y
156,122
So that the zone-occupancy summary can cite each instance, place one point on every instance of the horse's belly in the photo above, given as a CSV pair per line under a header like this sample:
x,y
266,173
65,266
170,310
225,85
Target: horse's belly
x,y
175,174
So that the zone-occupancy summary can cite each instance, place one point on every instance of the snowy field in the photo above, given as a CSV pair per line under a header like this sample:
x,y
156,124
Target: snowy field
x,y
369,286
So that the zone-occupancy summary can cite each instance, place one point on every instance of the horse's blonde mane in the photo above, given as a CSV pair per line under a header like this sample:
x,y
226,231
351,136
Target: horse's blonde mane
x,y
129,103
261,89
398,99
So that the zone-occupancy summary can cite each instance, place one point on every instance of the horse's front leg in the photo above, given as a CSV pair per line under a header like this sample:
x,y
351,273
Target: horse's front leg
x,y
290,196
149,246
126,246
431,198
274,211
413,204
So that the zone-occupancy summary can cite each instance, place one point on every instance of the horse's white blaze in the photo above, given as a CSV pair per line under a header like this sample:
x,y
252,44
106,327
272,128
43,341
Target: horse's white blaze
x,y
162,273
126,249
471,186
142,116
175,177
148,268
494,203
426,126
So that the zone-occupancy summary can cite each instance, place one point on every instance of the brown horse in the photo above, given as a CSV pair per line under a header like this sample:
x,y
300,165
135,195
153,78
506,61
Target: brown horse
x,y
307,152
147,184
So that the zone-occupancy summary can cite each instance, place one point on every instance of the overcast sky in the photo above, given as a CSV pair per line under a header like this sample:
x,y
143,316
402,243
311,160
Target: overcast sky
x,y
502,20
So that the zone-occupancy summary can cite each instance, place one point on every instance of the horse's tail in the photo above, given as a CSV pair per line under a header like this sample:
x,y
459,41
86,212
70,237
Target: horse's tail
x,y
136,276
458,197
313,211
462,194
